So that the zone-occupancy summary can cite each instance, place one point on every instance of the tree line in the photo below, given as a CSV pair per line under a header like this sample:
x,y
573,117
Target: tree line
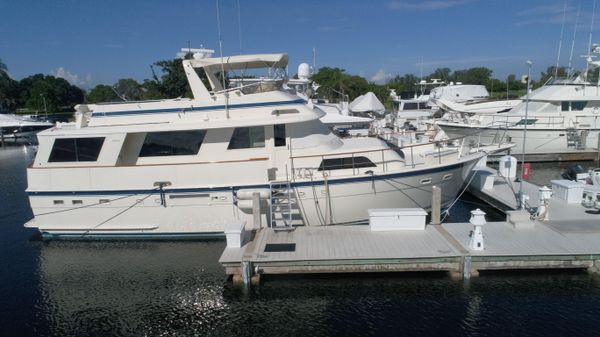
x,y
37,93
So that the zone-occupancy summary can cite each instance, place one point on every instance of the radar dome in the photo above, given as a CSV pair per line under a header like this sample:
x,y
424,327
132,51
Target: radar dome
x,y
303,71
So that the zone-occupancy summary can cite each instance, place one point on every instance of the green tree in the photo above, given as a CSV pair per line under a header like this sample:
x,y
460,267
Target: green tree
x,y
550,73
330,81
443,74
405,85
102,93
477,75
9,90
57,93
129,89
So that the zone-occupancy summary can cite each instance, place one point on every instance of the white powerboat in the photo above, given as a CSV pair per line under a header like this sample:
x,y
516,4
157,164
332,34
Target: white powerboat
x,y
15,127
253,153
562,118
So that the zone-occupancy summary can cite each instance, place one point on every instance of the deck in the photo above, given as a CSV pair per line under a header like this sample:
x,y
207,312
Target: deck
x,y
570,238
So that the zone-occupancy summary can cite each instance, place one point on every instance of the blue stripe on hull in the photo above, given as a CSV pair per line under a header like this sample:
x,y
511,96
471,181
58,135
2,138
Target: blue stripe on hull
x,y
238,187
186,109
133,236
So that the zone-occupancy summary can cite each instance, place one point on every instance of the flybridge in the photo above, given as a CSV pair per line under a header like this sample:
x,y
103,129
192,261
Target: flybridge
x,y
215,65
211,97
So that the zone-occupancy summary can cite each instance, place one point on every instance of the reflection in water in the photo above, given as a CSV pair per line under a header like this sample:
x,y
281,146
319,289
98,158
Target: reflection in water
x,y
179,289
117,287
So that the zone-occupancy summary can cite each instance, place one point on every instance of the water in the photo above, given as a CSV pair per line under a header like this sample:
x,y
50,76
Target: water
x,y
178,289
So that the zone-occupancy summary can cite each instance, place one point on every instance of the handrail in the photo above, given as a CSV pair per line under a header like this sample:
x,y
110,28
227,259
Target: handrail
x,y
238,88
383,164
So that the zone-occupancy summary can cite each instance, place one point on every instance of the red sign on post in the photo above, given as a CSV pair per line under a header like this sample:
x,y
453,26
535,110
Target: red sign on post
x,y
526,171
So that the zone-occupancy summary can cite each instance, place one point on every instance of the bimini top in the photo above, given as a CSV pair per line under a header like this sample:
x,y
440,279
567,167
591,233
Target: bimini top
x,y
255,61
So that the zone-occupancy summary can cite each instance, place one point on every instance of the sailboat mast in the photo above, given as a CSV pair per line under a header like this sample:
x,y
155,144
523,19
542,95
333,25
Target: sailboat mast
x,y
562,29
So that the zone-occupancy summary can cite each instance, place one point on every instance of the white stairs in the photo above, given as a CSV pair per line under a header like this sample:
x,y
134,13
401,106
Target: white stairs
x,y
280,205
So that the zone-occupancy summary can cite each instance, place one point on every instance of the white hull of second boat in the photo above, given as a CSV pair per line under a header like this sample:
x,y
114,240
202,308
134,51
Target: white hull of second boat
x,y
538,141
205,211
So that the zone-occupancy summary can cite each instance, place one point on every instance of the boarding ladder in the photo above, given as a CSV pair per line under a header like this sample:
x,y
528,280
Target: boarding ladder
x,y
281,205
574,139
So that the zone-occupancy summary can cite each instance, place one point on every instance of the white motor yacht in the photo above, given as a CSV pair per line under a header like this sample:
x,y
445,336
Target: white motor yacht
x,y
561,117
253,153
15,127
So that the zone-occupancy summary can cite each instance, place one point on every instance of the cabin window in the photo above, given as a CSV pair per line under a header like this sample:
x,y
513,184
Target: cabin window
x,y
578,105
414,106
279,134
172,143
574,105
526,121
284,111
345,163
247,138
76,149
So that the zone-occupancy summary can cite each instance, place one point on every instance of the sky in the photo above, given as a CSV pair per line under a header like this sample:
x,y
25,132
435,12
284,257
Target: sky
x,y
90,42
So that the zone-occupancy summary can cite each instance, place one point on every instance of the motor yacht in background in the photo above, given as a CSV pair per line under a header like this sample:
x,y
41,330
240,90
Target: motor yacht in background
x,y
14,127
186,167
562,121
336,116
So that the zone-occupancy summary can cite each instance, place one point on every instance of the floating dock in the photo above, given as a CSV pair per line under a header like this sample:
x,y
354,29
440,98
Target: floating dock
x,y
568,238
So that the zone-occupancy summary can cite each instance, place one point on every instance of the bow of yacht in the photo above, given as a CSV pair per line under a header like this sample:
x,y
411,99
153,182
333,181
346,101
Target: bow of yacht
x,y
186,167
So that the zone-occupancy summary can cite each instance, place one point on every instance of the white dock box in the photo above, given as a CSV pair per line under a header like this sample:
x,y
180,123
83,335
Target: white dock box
x,y
567,190
236,234
392,219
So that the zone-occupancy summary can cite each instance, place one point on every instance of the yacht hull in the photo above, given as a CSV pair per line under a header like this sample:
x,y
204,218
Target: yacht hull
x,y
538,141
202,212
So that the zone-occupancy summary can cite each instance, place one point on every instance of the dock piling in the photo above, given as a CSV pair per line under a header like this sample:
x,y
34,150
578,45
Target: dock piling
x,y
246,273
436,205
466,267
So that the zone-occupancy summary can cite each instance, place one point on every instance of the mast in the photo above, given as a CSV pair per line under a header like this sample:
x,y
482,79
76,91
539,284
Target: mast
x,y
589,50
562,28
222,65
573,42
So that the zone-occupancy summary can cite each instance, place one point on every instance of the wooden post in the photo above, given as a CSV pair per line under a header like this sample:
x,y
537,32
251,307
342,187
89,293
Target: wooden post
x,y
256,210
2,137
436,205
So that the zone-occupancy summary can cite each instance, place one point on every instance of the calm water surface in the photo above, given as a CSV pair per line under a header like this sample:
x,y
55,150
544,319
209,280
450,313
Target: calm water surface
x,y
179,289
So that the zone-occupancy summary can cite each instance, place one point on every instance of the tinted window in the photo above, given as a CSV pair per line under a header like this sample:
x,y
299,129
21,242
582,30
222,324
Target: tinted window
x,y
246,138
172,143
578,105
76,149
526,121
575,105
279,134
414,106
345,163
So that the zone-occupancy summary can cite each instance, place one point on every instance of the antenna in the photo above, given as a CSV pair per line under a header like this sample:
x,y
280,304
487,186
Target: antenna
x,y
589,50
222,65
562,29
314,59
573,41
